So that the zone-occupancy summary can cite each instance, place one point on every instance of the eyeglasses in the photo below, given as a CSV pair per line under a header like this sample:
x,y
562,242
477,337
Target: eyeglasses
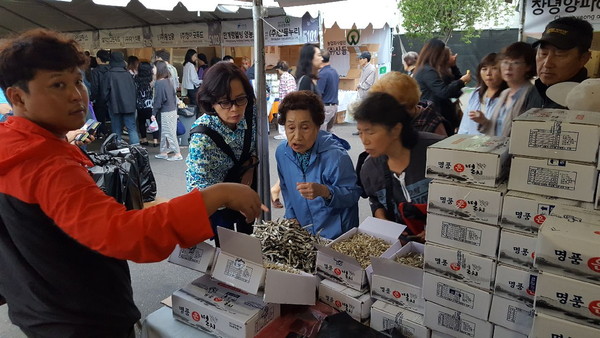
x,y
508,64
239,101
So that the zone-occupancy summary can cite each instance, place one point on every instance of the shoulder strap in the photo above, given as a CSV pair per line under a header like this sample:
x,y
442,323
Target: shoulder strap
x,y
389,195
217,139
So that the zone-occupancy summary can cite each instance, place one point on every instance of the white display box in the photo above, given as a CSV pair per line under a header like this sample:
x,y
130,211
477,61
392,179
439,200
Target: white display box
x,y
386,316
397,283
357,304
568,298
476,159
512,314
240,264
574,216
200,257
553,327
469,202
455,323
556,133
560,178
457,296
463,266
571,249
516,284
526,212
346,270
466,235
219,309
517,248
502,332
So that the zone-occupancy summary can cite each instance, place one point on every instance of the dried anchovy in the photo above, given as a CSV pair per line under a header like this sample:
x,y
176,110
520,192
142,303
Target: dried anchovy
x,y
362,247
285,242
412,258
282,267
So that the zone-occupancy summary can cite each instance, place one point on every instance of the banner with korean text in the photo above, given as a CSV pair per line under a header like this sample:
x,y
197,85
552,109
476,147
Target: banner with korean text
x,y
186,35
539,12
122,38
84,39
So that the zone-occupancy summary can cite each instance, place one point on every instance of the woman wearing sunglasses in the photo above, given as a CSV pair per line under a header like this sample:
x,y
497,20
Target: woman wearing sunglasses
x,y
222,146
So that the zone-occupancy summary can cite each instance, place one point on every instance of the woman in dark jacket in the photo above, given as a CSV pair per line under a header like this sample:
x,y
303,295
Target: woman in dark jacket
x,y
308,67
440,80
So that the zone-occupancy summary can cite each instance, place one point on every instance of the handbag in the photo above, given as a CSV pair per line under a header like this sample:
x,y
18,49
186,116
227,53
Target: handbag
x,y
180,128
152,127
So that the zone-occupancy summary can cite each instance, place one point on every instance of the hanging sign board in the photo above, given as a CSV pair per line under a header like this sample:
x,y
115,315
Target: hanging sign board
x,y
187,35
237,33
283,31
539,13
121,38
84,39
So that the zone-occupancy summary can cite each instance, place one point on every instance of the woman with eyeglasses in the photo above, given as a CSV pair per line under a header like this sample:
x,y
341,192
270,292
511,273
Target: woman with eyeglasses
x,y
316,174
517,66
222,146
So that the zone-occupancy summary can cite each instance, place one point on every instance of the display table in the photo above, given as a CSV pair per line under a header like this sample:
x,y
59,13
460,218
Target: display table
x,y
161,324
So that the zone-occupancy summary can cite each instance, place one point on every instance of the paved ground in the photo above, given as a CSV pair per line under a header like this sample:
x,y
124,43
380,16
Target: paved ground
x,y
154,282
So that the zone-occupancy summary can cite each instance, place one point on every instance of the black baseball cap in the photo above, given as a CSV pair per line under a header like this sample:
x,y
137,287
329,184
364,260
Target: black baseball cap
x,y
567,34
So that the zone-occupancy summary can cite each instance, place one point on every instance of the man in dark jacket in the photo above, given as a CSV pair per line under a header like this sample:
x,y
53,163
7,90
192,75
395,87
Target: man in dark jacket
x,y
97,77
562,53
119,93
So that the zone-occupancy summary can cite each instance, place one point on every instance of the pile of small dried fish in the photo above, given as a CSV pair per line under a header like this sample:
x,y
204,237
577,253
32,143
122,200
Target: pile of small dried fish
x,y
412,258
286,242
362,247
282,267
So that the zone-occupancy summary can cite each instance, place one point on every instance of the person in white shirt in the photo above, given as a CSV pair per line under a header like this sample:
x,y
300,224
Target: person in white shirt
x,y
190,81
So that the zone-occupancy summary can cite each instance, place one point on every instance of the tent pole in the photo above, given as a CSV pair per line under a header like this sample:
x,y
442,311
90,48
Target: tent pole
x,y
262,137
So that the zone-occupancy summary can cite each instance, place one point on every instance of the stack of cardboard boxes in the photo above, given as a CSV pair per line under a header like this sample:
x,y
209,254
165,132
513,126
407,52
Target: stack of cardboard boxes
x,y
463,233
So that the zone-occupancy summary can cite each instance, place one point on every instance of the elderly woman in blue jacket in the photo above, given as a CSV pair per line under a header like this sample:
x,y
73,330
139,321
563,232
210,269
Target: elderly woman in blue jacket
x,y
318,181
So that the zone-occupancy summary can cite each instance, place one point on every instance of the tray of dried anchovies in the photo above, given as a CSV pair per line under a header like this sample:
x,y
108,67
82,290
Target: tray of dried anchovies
x,y
347,259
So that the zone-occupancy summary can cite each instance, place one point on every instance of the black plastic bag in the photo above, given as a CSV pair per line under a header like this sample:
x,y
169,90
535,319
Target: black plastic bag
x,y
118,177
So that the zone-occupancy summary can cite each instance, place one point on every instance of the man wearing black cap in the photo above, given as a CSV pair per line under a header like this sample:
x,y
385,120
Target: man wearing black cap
x,y
367,75
562,53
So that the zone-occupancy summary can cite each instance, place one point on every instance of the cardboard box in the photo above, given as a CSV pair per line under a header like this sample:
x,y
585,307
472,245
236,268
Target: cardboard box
x,y
570,249
556,133
516,284
517,248
397,283
200,257
240,264
469,202
457,233
476,159
455,323
512,314
219,309
560,178
356,303
526,212
346,270
575,216
437,334
456,295
545,326
386,316
597,202
568,298
501,332
462,266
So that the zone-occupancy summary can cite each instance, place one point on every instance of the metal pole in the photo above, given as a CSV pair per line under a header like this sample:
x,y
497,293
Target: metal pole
x,y
522,37
262,136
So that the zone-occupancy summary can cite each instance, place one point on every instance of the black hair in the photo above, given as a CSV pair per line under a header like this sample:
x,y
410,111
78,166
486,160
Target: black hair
x,y
302,100
523,50
103,55
163,54
383,109
214,60
217,84
188,56
325,55
202,57
227,57
489,60
144,74
305,62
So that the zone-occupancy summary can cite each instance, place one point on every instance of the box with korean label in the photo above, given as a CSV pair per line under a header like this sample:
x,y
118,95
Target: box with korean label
x,y
463,266
397,283
240,264
516,284
501,332
469,202
466,235
568,298
455,323
526,212
476,159
386,316
560,178
222,310
575,216
344,269
199,257
553,327
456,295
512,314
556,133
356,303
571,249
517,248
